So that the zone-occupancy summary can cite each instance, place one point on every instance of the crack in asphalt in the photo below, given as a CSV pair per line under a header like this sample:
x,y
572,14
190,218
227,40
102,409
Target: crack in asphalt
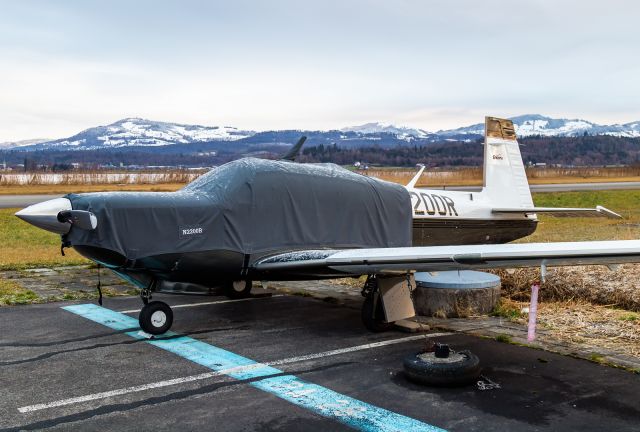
x,y
61,342
103,345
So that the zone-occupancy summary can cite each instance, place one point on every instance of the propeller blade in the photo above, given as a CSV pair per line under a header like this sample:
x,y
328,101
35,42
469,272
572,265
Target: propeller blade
x,y
293,151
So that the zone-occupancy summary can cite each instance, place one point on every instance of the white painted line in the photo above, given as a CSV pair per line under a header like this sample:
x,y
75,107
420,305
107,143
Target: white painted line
x,y
118,392
209,303
355,348
207,375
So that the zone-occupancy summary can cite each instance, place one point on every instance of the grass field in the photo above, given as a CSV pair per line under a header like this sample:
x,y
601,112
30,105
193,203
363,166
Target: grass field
x,y
624,202
25,246
37,189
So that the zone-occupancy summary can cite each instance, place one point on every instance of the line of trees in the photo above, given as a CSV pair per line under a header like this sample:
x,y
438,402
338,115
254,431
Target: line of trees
x,y
567,151
577,151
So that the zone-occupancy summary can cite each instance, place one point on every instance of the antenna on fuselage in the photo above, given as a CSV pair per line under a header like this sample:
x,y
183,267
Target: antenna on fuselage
x,y
293,152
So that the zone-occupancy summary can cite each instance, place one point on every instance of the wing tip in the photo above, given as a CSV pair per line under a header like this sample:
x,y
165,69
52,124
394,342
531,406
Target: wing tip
x,y
608,213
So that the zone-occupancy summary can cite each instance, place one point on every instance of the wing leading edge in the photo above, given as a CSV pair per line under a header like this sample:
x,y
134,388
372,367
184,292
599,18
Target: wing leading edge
x,y
440,258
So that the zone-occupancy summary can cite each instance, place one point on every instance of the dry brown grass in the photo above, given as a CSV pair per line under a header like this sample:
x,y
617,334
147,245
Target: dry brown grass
x,y
473,176
594,328
599,327
356,283
71,188
12,293
60,183
594,284
99,177
97,181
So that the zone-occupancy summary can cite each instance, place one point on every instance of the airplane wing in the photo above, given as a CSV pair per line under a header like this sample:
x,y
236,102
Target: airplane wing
x,y
464,257
599,211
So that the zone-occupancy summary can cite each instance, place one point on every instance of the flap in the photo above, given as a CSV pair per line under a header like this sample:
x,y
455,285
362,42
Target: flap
x,y
599,211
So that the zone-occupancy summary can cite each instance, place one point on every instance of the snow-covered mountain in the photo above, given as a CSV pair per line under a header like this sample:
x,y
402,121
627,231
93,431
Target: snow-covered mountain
x,y
136,132
23,143
400,132
140,132
535,124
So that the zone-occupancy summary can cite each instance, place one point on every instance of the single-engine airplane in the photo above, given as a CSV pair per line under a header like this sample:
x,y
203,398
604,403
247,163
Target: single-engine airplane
x,y
260,220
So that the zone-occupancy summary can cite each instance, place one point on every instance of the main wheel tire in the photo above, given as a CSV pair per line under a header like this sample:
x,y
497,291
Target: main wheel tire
x,y
373,323
156,317
238,289
460,368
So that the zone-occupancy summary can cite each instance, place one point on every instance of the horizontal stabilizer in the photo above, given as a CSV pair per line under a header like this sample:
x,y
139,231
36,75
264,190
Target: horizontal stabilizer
x,y
415,178
599,211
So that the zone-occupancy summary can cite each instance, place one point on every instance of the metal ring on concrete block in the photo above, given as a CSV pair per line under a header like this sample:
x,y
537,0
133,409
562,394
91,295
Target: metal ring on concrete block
x,y
451,294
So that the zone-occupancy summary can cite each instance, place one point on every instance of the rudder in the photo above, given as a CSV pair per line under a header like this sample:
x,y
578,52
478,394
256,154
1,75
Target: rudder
x,y
505,179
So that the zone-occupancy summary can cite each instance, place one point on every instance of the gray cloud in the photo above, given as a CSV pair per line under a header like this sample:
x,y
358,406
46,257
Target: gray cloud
x,y
431,64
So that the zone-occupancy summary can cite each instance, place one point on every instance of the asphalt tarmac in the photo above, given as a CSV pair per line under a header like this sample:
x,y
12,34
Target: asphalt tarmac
x,y
20,201
88,368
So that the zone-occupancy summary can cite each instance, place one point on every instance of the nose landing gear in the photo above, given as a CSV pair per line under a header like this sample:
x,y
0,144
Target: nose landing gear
x,y
155,317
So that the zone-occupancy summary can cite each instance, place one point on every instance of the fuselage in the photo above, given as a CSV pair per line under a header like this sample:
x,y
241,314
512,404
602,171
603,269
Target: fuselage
x,y
453,218
438,218
215,229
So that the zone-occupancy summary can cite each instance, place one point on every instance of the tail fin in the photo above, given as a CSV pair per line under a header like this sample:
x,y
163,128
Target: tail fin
x,y
505,180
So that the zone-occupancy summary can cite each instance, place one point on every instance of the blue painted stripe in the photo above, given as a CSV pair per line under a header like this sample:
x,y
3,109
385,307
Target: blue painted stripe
x,y
352,412
215,358
104,316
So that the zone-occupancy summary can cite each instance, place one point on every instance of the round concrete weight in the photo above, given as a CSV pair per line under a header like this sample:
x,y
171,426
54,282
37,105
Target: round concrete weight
x,y
452,294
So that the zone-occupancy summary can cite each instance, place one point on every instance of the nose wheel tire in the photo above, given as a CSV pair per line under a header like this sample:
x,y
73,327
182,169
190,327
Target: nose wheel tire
x,y
238,289
156,317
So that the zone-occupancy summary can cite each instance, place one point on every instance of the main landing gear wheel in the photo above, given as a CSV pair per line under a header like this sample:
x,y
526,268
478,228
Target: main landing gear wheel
x,y
372,309
156,317
238,289
373,314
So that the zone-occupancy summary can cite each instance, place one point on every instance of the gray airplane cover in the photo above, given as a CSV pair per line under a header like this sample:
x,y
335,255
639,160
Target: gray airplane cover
x,y
252,206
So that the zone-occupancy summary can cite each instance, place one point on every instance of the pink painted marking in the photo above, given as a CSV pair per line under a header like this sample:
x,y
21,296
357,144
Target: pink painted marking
x,y
533,312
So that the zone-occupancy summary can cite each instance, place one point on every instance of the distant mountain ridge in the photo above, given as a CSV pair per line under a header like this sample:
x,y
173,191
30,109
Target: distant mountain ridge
x,y
538,125
22,143
376,128
141,133
137,132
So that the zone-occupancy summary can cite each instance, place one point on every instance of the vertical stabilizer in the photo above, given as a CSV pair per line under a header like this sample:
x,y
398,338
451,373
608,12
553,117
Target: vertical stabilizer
x,y
505,180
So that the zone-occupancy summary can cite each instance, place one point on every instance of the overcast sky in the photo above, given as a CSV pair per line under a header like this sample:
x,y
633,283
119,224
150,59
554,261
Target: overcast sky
x,y
69,65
